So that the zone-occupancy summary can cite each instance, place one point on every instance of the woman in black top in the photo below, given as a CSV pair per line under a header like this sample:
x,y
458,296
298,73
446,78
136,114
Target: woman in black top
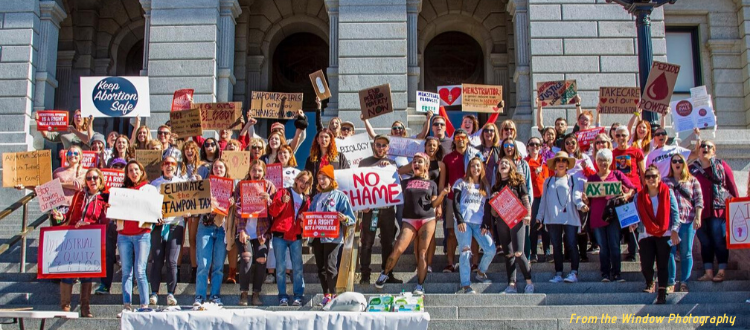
x,y
324,152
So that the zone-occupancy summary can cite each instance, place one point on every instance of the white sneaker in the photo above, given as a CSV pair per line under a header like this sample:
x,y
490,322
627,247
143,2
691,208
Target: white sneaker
x,y
571,278
153,299
171,301
418,290
556,279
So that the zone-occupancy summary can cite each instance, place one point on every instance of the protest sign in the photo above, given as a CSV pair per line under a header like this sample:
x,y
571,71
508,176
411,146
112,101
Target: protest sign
x,y
221,191
89,158
450,95
115,97
274,173
687,114
659,87
51,120
481,98
31,168
318,80
320,224
135,205
627,214
182,100
186,123
619,100
252,200
225,115
238,163
602,189
428,102
370,187
376,101
274,105
509,207
113,178
738,222
405,147
185,197
69,252
586,137
355,148
50,195
557,92
151,161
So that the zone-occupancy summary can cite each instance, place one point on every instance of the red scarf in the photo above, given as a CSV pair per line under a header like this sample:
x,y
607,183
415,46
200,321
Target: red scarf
x,y
656,225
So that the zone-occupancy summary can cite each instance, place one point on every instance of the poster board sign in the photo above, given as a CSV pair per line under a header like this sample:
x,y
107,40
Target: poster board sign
x,y
31,168
509,207
557,92
738,223
238,163
103,97
135,205
586,137
688,114
253,204
52,120
318,80
275,174
221,191
185,197
659,87
602,189
151,161
428,102
224,115
182,100
355,148
481,98
627,214
69,252
89,158
450,95
186,122
50,195
370,187
376,101
320,224
274,105
113,178
619,100
405,147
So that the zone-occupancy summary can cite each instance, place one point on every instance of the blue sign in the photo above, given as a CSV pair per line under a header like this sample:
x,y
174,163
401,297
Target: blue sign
x,y
115,96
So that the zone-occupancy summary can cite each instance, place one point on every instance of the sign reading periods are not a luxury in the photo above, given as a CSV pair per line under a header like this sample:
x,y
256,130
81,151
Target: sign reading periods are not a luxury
x,y
115,97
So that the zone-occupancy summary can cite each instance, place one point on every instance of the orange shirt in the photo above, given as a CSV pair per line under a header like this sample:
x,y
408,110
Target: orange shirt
x,y
539,173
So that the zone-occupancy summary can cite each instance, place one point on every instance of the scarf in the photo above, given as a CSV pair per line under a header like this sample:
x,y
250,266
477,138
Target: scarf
x,y
718,191
656,224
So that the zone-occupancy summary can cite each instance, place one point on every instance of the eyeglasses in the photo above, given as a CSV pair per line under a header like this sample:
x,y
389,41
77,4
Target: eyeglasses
x,y
169,163
508,145
570,143
621,135
92,178
677,161
489,131
381,145
72,153
651,176
509,129
397,128
533,144
706,146
660,134
256,147
164,133
438,124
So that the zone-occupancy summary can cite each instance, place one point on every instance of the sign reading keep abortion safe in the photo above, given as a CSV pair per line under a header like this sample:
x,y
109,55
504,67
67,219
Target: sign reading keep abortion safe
x,y
115,97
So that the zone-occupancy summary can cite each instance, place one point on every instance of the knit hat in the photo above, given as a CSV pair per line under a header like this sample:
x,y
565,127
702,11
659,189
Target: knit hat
x,y
327,171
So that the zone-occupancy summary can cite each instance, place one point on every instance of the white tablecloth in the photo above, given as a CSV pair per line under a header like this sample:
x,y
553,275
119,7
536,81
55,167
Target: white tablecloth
x,y
245,319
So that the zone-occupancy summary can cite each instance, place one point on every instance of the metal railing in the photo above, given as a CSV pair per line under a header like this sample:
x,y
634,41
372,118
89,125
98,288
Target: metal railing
x,y
25,228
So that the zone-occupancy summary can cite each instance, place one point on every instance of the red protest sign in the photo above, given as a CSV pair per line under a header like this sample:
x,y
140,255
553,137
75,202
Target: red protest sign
x,y
113,178
221,191
253,204
88,160
275,174
51,120
320,224
509,207
182,99
69,252
586,137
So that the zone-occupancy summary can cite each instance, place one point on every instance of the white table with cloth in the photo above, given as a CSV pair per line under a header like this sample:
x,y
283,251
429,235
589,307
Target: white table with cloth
x,y
245,319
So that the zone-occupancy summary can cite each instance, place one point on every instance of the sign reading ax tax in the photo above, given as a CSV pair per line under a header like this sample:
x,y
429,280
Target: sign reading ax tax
x,y
602,189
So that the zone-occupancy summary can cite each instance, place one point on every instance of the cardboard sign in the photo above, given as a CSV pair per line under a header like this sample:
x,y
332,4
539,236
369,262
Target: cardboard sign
x,y
67,252
619,100
355,148
274,105
186,122
320,224
376,101
557,92
603,189
450,95
586,137
113,178
688,114
428,102
738,222
253,204
185,197
482,98
318,80
115,97
151,161
50,195
225,115
89,159
370,187
135,205
27,168
627,214
238,163
221,191
405,147
182,100
274,173
52,120
509,207
659,87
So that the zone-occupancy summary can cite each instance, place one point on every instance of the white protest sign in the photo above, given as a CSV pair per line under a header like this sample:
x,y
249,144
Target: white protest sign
x,y
370,187
134,205
67,252
427,101
50,195
404,146
688,114
355,148
115,97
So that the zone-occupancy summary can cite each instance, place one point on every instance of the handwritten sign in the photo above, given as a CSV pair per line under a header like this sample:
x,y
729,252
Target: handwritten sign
x,y
185,197
509,207
274,173
738,223
151,161
238,163
602,189
450,95
225,115
557,92
186,122
370,187
376,101
320,224
586,137
318,80
50,195
275,105
428,102
135,205
405,147
52,120
182,100
113,178
67,252
659,87
27,168
221,191
355,148
482,98
253,204
89,158
688,114
619,100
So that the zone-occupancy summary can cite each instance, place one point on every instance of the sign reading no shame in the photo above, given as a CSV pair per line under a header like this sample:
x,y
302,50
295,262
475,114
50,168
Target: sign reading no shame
x,y
370,187
27,168
376,101
51,120
67,252
320,224
115,97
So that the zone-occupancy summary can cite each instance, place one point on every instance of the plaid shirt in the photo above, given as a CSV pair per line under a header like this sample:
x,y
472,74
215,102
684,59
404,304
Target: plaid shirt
x,y
263,228
689,197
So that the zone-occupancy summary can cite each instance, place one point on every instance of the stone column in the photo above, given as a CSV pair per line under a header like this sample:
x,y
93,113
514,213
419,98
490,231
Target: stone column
x,y
229,10
146,4
50,16
333,56
413,7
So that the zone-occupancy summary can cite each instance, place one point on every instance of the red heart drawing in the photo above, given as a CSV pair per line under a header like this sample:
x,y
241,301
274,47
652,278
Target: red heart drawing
x,y
603,100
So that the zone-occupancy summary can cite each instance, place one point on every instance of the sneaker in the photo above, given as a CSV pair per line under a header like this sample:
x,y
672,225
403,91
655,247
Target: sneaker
x,y
482,278
198,301
556,279
153,299
418,290
510,289
449,269
282,302
217,300
393,279
297,302
429,269
466,290
571,278
125,309
618,278
529,289
101,289
270,278
171,301
381,281
326,299
605,279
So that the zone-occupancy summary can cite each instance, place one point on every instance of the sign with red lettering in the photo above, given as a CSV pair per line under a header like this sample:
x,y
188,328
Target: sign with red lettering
x,y
509,207
659,87
370,187
376,101
253,205
51,120
182,99
449,95
482,98
225,115
274,173
557,92
50,195
69,252
738,222
221,192
320,224
619,100
586,137
113,178
88,159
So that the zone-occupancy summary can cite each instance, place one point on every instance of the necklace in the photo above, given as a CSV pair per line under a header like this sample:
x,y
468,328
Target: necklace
x,y
563,205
